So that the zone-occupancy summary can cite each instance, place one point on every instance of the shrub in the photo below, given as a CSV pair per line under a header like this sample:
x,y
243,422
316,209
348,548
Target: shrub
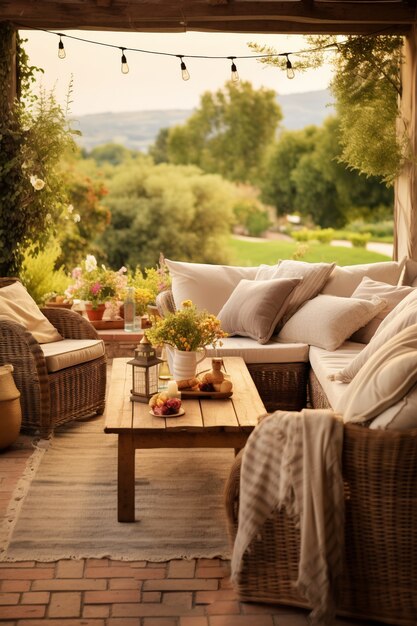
x,y
39,276
301,235
359,240
324,235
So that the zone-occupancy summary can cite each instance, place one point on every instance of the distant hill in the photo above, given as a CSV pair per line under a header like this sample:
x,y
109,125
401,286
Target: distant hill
x,y
138,129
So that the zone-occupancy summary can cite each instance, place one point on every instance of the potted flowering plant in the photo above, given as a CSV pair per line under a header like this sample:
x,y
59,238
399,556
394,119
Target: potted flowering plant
x,y
186,332
96,285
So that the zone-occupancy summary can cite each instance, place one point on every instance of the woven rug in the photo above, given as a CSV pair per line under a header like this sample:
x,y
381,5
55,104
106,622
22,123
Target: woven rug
x,y
66,504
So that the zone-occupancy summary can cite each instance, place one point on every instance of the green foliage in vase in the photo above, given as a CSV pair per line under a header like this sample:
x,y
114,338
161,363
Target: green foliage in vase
x,y
366,86
34,134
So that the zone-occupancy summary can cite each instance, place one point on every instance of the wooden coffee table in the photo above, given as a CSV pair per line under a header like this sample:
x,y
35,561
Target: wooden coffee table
x,y
207,423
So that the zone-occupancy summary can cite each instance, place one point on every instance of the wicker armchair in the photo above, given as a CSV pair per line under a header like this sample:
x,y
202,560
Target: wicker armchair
x,y
51,399
280,385
380,576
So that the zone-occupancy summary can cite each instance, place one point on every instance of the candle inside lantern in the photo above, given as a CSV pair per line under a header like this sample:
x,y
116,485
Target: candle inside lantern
x,y
172,389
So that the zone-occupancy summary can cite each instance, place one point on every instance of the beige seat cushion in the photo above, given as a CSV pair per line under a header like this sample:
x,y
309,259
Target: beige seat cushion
x,y
17,305
252,352
207,286
325,363
70,352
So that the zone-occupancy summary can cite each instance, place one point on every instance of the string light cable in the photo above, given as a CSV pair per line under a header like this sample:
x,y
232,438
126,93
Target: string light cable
x,y
184,71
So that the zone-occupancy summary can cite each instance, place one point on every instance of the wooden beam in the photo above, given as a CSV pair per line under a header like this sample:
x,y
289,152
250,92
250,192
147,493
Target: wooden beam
x,y
8,70
260,16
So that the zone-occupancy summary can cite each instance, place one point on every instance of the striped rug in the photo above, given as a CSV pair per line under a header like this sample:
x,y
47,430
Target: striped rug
x,y
70,508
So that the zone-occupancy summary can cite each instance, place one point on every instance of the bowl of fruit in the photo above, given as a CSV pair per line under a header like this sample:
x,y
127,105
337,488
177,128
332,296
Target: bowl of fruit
x,y
164,406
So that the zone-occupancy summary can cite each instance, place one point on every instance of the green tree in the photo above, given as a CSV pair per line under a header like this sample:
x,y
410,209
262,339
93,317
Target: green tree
x,y
174,209
112,153
159,149
367,87
278,186
229,133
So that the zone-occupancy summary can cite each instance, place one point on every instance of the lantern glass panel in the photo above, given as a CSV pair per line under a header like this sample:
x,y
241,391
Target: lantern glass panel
x,y
139,380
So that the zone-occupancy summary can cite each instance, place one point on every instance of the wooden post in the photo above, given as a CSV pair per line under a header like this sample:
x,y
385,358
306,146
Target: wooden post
x,y
8,69
405,209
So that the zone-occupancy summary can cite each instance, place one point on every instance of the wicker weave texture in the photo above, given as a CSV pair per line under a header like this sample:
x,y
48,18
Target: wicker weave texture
x,y
380,576
49,400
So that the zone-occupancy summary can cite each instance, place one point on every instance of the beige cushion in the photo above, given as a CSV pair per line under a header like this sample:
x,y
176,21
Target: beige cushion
x,y
344,280
70,352
253,352
17,305
389,327
400,416
384,380
327,321
324,363
314,276
368,289
207,286
255,307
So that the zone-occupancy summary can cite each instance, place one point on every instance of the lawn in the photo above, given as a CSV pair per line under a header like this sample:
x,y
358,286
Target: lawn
x,y
244,252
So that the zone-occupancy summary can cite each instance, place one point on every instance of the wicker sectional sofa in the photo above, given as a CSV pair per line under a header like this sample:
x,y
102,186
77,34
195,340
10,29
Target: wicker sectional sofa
x,y
380,478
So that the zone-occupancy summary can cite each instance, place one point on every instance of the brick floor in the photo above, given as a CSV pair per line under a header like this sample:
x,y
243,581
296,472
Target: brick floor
x,y
101,592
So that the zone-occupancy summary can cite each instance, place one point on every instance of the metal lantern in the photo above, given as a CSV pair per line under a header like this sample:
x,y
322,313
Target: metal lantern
x,y
144,372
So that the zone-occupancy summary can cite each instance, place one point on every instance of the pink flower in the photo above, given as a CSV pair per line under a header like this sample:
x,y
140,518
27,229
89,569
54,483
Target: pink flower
x,y
95,288
76,272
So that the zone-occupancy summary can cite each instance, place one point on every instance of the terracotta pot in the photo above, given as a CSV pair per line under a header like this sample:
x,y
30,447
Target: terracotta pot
x,y
95,314
10,410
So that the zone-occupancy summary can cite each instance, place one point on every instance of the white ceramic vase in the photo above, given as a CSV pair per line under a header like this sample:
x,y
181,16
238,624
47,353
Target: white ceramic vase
x,y
182,364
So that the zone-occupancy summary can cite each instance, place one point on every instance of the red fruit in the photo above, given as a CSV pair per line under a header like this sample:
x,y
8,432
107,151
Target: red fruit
x,y
174,404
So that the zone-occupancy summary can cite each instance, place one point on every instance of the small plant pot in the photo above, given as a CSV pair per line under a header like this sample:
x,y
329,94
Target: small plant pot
x,y
94,314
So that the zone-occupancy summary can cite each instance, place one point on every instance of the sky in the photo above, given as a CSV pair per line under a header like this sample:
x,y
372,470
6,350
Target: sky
x,y
154,81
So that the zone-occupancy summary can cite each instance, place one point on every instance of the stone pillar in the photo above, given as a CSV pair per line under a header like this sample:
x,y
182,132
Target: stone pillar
x,y
405,208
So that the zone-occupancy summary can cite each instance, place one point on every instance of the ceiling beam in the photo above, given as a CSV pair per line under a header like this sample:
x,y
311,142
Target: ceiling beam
x,y
281,16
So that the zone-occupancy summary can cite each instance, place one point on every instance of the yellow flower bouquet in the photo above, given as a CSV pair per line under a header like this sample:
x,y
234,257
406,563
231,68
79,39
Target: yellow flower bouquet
x,y
188,329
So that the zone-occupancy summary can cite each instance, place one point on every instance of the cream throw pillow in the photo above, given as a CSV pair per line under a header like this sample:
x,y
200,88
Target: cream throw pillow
x,y
384,380
367,290
19,306
344,280
327,321
207,286
314,276
404,315
400,416
255,307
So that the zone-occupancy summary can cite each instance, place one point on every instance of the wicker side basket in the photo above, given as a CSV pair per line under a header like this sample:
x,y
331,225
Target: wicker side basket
x,y
380,576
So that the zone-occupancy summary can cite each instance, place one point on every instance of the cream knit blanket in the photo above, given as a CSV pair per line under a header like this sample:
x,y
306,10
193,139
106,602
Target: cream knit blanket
x,y
293,460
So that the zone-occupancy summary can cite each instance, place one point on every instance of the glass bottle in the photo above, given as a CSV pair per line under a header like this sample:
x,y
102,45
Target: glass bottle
x,y
130,310
164,373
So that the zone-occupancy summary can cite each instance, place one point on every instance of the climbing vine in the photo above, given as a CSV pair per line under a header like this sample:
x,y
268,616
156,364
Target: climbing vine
x,y
34,134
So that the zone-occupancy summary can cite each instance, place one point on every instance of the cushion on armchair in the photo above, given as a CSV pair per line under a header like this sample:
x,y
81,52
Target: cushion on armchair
x,y
70,352
17,305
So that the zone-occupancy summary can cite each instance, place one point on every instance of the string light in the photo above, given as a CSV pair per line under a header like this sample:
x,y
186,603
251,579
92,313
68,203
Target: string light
x,y
290,70
61,49
184,72
125,67
234,75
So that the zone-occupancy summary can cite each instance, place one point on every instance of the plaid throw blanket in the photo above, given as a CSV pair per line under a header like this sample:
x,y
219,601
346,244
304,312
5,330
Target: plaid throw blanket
x,y
293,460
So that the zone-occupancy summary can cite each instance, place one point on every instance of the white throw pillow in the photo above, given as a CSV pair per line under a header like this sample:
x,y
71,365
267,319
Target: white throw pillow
x,y
207,286
384,380
368,289
255,307
17,305
344,280
400,416
327,321
314,276
389,327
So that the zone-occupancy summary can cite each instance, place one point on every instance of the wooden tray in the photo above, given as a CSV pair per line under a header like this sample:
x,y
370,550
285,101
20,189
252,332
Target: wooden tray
x,y
215,395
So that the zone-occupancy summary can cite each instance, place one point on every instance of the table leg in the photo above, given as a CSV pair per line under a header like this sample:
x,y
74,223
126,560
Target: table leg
x,y
125,478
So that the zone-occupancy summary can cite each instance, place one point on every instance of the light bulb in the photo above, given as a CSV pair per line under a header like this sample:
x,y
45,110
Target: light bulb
x,y
184,72
125,67
290,71
235,75
61,49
